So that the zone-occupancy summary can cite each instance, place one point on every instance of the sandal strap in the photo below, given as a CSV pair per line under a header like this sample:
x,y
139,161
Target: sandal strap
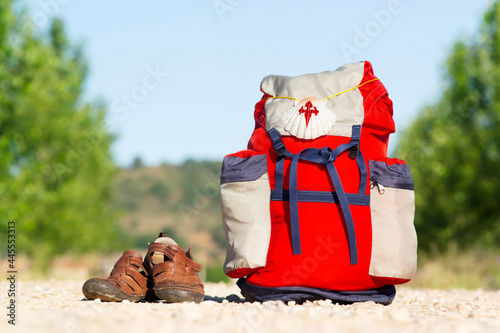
x,y
129,273
175,271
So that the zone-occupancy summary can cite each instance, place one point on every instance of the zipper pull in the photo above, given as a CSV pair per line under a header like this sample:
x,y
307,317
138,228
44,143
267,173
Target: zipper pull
x,y
380,187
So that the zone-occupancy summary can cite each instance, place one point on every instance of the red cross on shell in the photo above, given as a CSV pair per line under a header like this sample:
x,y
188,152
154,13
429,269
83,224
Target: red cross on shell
x,y
319,119
309,109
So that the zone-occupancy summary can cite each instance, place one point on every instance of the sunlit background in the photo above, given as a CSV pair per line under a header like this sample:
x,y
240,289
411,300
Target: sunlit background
x,y
115,117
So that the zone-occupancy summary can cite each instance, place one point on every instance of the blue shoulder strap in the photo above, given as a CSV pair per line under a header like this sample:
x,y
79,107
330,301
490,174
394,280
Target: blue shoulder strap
x,y
324,156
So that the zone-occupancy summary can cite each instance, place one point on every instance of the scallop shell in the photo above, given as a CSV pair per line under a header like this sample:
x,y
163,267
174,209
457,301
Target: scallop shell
x,y
309,119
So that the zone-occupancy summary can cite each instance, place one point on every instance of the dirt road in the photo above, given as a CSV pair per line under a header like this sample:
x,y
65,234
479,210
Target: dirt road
x,y
59,306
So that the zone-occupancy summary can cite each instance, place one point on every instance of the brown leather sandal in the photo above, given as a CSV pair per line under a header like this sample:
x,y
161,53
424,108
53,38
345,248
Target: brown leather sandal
x,y
128,281
174,272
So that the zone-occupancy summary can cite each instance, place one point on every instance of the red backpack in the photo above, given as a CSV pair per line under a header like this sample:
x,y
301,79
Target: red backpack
x,y
314,208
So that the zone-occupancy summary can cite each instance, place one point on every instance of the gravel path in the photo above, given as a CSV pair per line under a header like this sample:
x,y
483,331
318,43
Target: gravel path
x,y
59,306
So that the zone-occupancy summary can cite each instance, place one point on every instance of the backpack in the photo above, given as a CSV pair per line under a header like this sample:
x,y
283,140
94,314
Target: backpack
x,y
314,208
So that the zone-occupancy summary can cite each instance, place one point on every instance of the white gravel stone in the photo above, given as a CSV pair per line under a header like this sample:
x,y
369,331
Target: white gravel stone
x,y
59,306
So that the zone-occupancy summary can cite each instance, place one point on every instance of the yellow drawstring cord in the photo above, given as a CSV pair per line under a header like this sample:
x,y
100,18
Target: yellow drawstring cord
x,y
298,100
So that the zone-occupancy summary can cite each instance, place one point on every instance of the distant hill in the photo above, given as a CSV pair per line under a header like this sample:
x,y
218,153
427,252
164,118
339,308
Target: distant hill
x,y
182,200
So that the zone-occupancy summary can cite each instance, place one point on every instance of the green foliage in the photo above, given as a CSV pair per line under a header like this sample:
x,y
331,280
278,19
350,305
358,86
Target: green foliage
x,y
137,163
55,165
453,148
201,176
181,200
160,190
190,190
469,269
216,274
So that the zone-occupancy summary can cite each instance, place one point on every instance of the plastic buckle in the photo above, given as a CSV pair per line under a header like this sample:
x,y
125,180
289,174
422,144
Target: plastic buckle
x,y
281,151
353,152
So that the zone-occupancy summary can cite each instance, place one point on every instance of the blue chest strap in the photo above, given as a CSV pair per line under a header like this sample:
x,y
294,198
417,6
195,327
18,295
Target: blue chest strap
x,y
323,156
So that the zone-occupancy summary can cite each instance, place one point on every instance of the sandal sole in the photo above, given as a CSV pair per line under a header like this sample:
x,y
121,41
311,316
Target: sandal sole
x,y
94,288
179,295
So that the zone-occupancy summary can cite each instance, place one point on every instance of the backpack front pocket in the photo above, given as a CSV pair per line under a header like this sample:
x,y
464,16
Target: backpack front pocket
x,y
245,202
392,205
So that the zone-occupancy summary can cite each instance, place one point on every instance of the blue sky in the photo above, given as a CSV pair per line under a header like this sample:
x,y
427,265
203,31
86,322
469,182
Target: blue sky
x,y
181,78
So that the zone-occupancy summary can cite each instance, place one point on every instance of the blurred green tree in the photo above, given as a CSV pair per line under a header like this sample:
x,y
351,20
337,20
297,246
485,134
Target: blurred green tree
x,y
55,165
453,147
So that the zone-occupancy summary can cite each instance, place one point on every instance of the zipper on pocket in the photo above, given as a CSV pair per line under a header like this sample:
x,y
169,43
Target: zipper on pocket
x,y
381,189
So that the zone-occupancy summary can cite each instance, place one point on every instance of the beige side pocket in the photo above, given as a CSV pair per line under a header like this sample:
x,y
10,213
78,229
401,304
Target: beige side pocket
x,y
245,203
394,239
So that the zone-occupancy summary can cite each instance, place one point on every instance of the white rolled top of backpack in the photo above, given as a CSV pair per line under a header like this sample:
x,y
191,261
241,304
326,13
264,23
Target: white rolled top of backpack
x,y
312,105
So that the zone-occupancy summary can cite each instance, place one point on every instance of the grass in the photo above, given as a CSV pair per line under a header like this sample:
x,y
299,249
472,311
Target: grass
x,y
470,269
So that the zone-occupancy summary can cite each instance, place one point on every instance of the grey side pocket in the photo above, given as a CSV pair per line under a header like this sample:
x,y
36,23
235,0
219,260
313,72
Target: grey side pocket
x,y
392,204
245,203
